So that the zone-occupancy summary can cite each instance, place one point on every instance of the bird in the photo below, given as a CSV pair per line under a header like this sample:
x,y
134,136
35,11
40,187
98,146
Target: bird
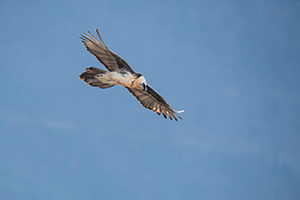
x,y
120,73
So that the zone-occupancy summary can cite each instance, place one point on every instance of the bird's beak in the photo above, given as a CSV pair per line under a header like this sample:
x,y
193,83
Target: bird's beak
x,y
144,86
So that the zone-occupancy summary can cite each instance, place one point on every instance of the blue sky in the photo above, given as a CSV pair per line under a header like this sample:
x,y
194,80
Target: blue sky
x,y
233,66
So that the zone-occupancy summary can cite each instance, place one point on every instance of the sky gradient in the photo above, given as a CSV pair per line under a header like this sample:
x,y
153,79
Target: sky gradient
x,y
233,66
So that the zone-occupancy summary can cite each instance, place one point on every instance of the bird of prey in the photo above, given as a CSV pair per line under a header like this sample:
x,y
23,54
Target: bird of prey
x,y
120,73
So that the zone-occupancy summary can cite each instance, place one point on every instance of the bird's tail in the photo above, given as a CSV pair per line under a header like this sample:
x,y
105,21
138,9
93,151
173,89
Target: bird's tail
x,y
89,76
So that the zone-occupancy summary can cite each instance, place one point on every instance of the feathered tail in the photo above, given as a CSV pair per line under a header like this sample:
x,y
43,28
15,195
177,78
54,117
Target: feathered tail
x,y
89,76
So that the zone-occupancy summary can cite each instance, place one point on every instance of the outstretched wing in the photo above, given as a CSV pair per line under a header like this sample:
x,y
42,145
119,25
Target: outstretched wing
x,y
109,59
153,101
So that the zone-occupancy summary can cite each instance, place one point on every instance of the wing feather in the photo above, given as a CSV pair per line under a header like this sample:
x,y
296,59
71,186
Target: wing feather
x,y
164,113
109,59
151,100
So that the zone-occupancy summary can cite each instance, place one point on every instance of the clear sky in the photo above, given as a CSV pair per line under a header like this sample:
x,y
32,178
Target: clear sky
x,y
233,66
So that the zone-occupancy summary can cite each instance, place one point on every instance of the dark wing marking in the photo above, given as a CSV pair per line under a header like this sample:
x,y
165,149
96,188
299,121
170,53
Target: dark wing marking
x,y
109,59
153,101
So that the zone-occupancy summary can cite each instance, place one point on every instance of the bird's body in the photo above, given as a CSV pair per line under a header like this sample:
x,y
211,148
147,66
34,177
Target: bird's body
x,y
120,73
117,78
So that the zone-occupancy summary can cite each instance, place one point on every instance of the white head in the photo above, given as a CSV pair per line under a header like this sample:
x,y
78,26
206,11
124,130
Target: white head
x,y
142,83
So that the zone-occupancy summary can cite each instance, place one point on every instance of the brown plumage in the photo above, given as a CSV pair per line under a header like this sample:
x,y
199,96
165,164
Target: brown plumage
x,y
153,101
120,73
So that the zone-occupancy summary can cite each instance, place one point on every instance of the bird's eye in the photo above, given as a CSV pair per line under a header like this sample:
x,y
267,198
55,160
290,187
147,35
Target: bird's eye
x,y
144,86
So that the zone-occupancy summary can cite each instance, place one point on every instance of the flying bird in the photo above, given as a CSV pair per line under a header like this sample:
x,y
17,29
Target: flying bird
x,y
120,73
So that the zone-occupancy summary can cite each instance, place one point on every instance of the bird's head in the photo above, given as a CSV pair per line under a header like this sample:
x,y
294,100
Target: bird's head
x,y
142,83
